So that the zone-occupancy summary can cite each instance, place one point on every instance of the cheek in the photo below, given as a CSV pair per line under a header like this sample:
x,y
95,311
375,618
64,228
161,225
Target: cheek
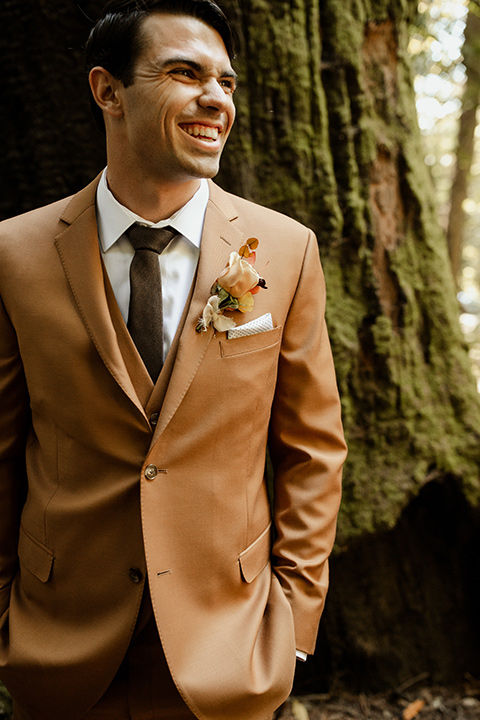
x,y
231,116
168,118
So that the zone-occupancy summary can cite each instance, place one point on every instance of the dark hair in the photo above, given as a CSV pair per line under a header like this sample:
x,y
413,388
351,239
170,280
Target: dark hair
x,y
116,40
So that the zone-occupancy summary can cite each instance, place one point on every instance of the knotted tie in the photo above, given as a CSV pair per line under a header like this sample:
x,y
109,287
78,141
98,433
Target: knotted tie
x,y
145,313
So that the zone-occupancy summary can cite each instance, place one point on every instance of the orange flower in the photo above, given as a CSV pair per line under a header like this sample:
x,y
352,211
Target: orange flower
x,y
245,303
238,277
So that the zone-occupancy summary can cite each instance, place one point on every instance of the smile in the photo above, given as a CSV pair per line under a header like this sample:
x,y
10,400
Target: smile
x,y
202,132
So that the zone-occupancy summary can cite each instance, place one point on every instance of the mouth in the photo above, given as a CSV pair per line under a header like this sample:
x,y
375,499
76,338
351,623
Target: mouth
x,y
207,133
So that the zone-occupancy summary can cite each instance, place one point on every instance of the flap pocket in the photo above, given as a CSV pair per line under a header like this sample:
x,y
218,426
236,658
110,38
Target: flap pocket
x,y
250,343
34,556
256,556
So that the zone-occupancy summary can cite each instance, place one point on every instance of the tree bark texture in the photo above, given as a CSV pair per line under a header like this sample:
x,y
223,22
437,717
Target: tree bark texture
x,y
326,131
466,140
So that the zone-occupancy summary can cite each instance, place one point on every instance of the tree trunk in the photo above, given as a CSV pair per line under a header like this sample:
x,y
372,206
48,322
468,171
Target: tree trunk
x,y
327,132
466,140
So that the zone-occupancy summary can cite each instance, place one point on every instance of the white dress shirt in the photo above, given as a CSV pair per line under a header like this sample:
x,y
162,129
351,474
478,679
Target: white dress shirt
x,y
178,261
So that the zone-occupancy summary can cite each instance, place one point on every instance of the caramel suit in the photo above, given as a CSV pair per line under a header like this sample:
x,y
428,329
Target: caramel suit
x,y
107,480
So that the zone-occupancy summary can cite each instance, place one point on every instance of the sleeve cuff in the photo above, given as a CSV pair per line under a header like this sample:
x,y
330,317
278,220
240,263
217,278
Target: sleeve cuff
x,y
301,655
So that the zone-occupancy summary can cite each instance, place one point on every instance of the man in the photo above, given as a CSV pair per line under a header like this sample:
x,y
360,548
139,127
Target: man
x,y
143,571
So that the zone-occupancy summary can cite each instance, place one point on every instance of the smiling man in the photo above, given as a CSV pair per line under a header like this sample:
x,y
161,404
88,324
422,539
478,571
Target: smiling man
x,y
167,124
144,570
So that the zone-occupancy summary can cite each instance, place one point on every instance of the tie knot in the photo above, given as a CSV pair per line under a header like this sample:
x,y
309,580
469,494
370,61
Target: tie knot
x,y
149,238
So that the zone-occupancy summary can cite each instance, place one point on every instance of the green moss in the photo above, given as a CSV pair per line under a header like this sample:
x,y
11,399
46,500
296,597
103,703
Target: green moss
x,y
382,332
345,23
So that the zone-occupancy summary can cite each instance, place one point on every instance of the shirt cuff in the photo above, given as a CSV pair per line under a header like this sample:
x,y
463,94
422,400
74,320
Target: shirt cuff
x,y
301,655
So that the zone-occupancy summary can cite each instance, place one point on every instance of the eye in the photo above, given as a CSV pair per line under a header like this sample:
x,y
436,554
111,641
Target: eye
x,y
228,84
185,72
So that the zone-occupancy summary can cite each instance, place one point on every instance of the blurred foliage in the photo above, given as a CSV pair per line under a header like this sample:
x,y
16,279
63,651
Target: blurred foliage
x,y
436,47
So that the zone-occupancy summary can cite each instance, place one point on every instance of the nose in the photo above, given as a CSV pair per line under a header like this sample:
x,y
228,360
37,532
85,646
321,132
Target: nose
x,y
214,96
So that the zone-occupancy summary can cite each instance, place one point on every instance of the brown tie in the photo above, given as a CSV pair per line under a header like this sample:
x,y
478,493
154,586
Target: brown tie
x,y
145,312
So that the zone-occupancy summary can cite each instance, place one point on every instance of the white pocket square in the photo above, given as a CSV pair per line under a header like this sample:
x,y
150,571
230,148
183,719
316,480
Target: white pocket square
x,y
259,325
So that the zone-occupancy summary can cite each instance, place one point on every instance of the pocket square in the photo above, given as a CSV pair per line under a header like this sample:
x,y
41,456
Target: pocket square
x,y
259,325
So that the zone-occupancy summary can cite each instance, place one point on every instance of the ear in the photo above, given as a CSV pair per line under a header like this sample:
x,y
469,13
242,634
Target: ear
x,y
104,87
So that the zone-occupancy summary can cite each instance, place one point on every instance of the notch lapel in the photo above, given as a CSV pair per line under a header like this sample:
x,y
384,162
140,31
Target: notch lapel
x,y
80,255
219,239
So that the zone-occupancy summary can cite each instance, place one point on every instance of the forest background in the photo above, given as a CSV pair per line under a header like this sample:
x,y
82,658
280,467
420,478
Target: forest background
x,y
359,119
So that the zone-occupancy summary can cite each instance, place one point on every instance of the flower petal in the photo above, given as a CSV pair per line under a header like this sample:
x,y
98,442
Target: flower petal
x,y
238,277
245,303
223,323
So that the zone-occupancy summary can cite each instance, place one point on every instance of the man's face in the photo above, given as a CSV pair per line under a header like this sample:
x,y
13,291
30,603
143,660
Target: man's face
x,y
178,112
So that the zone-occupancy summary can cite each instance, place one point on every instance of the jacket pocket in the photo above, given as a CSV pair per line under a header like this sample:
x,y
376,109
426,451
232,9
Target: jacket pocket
x,y
256,556
37,558
250,343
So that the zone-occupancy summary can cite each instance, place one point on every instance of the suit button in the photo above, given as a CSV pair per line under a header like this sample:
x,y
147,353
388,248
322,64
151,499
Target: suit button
x,y
135,575
154,419
151,472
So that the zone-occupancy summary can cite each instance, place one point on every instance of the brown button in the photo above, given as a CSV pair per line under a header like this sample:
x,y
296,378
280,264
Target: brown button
x,y
151,472
135,575
154,419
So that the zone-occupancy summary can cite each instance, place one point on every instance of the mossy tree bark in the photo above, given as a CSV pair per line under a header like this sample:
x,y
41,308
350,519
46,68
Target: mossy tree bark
x,y
326,131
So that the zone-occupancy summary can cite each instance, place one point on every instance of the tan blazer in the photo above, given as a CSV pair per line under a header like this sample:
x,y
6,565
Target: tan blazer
x,y
113,497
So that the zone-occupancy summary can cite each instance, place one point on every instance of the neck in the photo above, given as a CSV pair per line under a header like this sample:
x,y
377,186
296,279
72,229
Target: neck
x,y
153,201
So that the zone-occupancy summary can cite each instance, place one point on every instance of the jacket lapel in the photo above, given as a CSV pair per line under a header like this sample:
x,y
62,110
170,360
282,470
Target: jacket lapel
x,y
219,239
79,252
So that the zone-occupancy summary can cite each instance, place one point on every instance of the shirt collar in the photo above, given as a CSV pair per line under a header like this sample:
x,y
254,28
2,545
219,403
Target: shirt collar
x,y
114,219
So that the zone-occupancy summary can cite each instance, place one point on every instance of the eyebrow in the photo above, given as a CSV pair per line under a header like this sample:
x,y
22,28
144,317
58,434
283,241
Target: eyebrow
x,y
198,67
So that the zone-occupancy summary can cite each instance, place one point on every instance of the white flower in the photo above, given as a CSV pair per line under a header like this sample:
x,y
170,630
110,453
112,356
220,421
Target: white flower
x,y
211,314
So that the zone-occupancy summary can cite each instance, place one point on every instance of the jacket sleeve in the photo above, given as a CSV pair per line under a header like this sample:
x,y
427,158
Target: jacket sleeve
x,y
14,419
308,450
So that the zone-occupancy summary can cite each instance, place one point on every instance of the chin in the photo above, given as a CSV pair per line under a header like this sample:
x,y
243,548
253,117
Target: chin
x,y
207,168
207,172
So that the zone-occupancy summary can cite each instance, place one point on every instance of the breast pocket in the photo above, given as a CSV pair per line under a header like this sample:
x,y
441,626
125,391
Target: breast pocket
x,y
250,343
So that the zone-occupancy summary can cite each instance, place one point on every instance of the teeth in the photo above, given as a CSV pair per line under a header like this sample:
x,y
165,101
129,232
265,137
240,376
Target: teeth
x,y
204,131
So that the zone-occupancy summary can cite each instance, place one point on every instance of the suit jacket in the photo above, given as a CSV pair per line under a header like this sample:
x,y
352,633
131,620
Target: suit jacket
x,y
106,480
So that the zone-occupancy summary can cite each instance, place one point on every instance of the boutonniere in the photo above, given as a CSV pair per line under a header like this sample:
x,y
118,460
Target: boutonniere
x,y
233,289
